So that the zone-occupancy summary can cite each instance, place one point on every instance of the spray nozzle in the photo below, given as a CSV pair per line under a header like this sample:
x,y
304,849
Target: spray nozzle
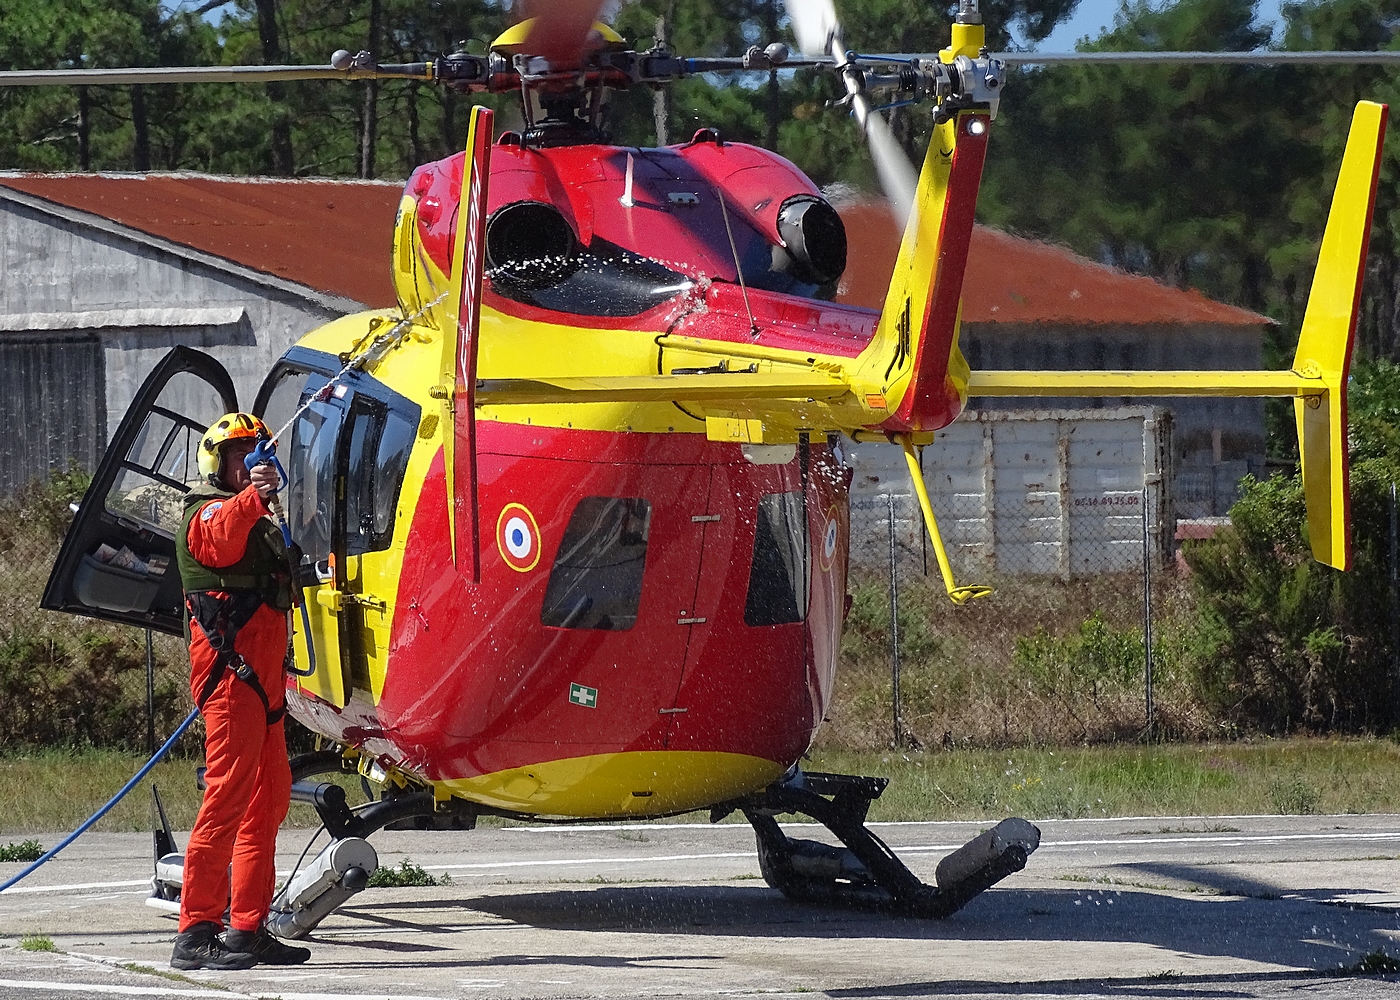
x,y
265,453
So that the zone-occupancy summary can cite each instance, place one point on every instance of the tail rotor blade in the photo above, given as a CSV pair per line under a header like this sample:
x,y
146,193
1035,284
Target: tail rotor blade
x,y
819,33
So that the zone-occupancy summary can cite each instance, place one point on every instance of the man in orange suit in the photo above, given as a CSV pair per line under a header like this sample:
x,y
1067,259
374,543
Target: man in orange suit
x,y
238,587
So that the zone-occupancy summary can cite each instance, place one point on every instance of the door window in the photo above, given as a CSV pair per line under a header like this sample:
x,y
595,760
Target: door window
x,y
311,467
158,471
778,577
596,580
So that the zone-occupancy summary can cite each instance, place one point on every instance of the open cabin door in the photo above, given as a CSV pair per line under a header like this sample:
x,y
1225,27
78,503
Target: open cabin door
x,y
117,562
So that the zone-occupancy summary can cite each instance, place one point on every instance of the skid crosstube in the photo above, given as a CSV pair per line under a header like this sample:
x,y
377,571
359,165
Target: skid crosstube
x,y
866,873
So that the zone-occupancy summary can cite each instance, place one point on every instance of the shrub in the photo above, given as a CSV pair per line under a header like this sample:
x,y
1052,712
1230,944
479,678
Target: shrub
x,y
58,691
866,635
1303,646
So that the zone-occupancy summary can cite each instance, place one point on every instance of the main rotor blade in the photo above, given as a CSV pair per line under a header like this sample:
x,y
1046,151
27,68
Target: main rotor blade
x,y
898,178
813,22
1258,58
561,28
207,74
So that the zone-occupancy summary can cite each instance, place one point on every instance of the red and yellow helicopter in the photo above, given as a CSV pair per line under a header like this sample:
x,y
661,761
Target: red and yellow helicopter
x,y
575,513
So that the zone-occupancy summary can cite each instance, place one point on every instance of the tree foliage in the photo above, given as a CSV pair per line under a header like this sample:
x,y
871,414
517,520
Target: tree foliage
x,y
1303,646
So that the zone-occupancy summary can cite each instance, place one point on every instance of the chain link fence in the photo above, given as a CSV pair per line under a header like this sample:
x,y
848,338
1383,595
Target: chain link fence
x,y
1069,517
75,682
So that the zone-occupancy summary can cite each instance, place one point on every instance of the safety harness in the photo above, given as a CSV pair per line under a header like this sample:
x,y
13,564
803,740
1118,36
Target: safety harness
x,y
220,616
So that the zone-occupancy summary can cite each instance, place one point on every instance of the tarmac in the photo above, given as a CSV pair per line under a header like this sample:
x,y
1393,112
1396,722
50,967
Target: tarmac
x,y
1237,907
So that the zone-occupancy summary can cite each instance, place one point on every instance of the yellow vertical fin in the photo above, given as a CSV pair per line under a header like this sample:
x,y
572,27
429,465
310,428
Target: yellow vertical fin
x,y
1325,343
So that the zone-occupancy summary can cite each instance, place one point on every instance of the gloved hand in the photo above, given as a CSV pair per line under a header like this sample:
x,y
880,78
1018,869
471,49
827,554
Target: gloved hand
x,y
265,480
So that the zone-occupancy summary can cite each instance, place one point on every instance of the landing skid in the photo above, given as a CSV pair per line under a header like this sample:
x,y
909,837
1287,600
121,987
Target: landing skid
x,y
862,873
865,873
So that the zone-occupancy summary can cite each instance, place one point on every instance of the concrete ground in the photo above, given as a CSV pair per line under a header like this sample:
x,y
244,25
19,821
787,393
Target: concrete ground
x,y
1217,907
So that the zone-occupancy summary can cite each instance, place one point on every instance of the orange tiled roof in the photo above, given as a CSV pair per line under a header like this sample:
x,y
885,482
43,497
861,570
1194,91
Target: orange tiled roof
x,y
1014,280
333,236
336,237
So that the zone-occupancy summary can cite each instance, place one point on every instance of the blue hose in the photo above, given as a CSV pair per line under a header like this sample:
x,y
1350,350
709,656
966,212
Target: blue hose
x,y
165,748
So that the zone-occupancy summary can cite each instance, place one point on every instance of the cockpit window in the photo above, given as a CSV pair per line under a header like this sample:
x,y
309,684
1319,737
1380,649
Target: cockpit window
x,y
602,279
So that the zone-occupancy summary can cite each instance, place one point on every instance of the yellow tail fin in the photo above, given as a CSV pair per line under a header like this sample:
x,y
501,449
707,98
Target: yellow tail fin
x,y
1325,343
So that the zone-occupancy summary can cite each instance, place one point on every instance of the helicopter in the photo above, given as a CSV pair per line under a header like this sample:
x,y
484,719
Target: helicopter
x,y
575,514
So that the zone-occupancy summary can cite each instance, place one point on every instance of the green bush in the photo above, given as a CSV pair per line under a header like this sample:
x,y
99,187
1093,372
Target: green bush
x,y
1303,647
57,691
866,635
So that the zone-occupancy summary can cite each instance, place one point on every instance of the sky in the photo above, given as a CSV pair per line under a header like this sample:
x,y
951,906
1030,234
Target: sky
x,y
1089,19
1092,17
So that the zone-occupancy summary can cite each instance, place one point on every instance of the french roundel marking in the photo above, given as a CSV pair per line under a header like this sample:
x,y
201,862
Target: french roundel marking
x,y
518,537
830,536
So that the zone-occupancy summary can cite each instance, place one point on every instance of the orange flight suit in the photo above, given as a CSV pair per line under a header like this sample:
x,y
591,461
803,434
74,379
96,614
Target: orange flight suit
x,y
248,779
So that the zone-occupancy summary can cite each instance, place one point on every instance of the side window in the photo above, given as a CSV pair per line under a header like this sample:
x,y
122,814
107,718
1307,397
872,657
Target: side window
x,y
596,581
381,441
390,463
359,482
778,578
282,397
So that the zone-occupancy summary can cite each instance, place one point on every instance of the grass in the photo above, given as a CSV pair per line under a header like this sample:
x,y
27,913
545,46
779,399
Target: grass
x,y
1377,963
30,850
405,875
37,942
1290,777
171,975
54,792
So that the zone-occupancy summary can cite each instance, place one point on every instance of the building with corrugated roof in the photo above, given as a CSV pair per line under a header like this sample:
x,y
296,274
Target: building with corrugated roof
x,y
100,274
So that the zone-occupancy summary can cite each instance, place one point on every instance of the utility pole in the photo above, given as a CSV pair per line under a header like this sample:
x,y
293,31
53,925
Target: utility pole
x,y
369,124
282,162
661,96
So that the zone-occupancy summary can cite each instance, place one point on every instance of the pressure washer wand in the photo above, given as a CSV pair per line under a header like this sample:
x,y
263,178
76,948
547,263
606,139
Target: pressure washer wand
x,y
266,454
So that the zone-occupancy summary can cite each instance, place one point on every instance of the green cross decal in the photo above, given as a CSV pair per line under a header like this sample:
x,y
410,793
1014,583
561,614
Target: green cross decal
x,y
582,694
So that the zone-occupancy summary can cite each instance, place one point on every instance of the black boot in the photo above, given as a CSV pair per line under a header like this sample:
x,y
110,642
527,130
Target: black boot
x,y
200,948
264,947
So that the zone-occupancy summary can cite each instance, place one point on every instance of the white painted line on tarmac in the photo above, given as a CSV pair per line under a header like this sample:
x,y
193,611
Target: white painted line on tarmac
x,y
175,991
124,991
924,848
1239,839
553,862
74,887
282,995
1261,838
